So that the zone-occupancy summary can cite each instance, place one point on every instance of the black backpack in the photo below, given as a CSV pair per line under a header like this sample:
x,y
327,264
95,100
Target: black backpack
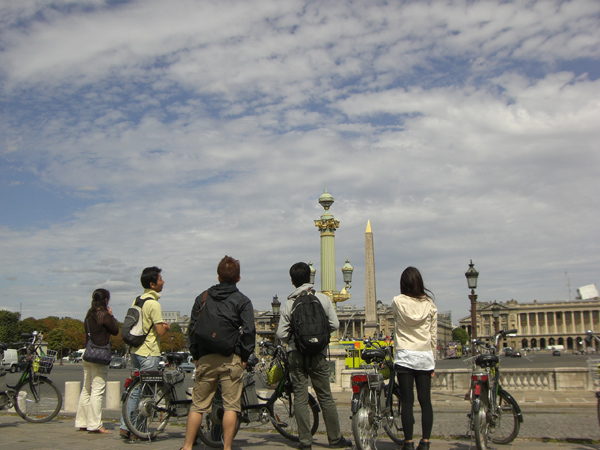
x,y
217,328
310,324
132,331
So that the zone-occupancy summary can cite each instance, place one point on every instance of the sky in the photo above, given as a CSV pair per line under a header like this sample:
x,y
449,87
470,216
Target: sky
x,y
141,133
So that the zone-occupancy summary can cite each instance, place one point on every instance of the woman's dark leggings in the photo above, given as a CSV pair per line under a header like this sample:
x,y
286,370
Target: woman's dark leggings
x,y
407,379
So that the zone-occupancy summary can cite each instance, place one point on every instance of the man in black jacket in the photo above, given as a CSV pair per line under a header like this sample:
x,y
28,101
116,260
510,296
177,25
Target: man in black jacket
x,y
227,303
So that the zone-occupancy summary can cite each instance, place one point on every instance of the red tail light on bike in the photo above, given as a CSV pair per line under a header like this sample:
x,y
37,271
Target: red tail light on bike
x,y
357,381
359,378
135,374
476,377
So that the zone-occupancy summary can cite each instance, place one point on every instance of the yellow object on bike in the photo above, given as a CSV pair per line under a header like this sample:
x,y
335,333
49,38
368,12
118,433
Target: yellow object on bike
x,y
274,375
36,364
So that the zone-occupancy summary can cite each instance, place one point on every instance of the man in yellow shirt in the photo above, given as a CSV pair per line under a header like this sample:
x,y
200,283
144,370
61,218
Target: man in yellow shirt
x,y
147,355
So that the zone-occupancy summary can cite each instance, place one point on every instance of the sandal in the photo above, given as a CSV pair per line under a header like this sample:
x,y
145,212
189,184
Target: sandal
x,y
82,429
100,430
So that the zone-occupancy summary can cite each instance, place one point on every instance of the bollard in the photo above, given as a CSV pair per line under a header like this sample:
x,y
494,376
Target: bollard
x,y
113,395
72,390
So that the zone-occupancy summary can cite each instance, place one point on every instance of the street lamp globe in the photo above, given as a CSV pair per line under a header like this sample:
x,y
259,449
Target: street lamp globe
x,y
347,270
472,276
496,310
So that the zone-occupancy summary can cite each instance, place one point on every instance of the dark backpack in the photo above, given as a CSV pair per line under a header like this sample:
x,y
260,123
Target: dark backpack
x,y
132,330
217,329
310,324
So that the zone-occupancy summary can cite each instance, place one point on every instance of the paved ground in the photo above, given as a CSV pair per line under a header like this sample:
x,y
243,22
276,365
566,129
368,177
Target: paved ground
x,y
553,420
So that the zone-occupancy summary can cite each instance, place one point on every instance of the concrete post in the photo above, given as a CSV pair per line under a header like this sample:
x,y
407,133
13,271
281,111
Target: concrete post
x,y
72,390
113,395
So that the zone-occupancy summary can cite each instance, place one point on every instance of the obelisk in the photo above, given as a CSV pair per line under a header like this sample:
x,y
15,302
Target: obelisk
x,y
371,328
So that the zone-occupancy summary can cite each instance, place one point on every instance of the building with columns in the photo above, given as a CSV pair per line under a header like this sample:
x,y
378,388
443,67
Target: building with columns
x,y
539,324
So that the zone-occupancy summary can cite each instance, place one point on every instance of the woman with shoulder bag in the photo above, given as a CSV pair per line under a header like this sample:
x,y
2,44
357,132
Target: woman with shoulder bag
x,y
99,324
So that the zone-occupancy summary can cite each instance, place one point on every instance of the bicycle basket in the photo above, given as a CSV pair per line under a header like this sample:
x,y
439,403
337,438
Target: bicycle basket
x,y
44,364
275,373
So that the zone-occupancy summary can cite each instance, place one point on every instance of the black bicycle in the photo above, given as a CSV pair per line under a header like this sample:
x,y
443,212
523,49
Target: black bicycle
x,y
495,415
151,398
376,406
594,365
277,409
34,397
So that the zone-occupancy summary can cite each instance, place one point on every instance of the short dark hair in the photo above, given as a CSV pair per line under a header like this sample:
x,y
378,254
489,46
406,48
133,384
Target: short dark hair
x,y
229,270
300,274
411,284
150,275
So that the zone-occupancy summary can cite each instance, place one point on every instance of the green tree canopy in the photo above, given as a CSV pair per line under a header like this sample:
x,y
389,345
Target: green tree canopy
x,y
9,327
461,335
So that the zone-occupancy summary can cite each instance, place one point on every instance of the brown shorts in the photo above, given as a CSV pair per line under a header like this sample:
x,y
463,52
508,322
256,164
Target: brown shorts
x,y
211,369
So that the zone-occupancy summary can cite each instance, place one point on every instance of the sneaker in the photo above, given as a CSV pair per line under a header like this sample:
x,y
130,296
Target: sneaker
x,y
301,446
341,443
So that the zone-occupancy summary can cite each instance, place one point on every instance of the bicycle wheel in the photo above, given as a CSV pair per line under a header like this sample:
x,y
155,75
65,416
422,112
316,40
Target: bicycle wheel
x,y
392,423
211,428
284,416
480,424
364,421
37,400
507,423
598,406
146,410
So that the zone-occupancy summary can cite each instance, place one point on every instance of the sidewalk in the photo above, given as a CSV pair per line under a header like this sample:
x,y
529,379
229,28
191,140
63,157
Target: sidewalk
x,y
60,433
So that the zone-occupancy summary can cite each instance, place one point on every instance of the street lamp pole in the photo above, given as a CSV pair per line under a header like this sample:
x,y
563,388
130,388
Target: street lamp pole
x,y
495,315
472,276
275,308
171,342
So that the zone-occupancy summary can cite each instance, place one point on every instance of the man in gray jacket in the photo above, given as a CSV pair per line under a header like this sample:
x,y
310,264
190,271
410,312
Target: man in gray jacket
x,y
315,367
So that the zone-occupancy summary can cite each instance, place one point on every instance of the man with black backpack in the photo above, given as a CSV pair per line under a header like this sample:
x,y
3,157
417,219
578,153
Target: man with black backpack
x,y
222,338
306,322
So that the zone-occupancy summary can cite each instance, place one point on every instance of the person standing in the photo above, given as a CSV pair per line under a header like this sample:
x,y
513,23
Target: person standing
x,y
147,355
228,307
100,325
316,367
415,342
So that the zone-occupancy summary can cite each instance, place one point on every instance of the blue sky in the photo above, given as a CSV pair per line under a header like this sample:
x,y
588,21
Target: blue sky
x,y
136,133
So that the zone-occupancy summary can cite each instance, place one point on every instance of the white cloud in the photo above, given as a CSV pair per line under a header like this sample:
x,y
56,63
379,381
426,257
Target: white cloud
x,y
194,130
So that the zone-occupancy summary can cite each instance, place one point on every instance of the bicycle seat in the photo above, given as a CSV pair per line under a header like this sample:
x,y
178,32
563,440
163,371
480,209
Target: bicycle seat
x,y
369,354
252,361
487,360
174,358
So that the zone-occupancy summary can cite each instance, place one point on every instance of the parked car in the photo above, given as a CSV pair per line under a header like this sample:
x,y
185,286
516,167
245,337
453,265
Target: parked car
x,y
117,363
556,353
516,354
187,366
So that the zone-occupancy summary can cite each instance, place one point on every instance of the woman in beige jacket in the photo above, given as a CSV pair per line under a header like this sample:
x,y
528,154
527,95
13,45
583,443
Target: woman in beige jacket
x,y
415,341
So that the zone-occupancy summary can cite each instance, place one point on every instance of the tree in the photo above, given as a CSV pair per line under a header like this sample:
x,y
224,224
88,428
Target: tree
x,y
460,334
29,325
178,342
9,327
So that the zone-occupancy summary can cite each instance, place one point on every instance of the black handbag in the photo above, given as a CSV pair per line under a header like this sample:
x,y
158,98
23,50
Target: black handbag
x,y
97,354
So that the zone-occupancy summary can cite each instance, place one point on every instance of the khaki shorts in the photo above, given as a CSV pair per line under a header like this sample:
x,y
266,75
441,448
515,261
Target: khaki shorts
x,y
211,369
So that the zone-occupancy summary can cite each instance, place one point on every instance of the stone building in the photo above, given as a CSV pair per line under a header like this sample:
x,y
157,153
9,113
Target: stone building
x,y
352,323
539,325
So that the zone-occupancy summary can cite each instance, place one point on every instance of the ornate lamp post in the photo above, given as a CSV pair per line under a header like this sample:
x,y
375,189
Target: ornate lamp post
x,y
496,315
472,276
327,226
275,307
